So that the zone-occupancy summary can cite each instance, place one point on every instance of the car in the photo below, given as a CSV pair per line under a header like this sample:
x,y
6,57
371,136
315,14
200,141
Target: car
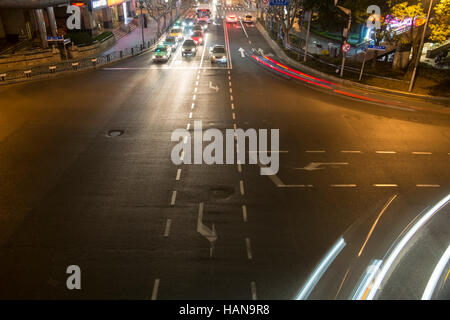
x,y
197,36
177,33
189,48
162,53
198,27
171,42
188,31
248,18
188,22
218,54
204,25
204,18
232,18
177,24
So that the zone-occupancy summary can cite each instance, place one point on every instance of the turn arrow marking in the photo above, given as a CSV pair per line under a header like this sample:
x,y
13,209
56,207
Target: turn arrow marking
x,y
317,165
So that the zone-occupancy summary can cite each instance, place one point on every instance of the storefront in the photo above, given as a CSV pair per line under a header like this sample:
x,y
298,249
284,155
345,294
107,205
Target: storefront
x,y
109,14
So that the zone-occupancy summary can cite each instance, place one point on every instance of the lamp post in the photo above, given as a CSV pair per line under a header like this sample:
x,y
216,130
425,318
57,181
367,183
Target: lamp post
x,y
419,53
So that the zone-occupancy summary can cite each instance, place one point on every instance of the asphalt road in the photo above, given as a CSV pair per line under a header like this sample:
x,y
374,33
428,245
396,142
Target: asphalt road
x,y
72,194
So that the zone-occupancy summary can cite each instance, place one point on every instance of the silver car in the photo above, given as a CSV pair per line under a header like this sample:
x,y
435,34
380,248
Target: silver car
x,y
218,54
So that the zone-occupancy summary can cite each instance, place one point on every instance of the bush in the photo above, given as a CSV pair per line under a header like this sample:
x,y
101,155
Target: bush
x,y
103,36
80,38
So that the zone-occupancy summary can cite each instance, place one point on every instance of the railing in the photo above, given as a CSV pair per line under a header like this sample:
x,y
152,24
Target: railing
x,y
81,64
75,65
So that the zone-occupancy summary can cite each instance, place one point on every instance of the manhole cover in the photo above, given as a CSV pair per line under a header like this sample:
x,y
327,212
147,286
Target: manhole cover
x,y
115,133
221,192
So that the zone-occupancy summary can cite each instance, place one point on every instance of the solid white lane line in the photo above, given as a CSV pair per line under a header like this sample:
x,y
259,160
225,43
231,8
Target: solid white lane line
x,y
253,290
244,213
241,187
385,185
173,199
204,49
375,223
167,230
155,289
428,185
249,248
178,175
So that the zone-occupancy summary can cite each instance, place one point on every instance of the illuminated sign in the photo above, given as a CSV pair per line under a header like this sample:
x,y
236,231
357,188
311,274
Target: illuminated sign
x,y
99,3
114,2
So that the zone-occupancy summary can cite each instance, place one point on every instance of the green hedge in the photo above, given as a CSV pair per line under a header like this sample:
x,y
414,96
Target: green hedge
x,y
84,38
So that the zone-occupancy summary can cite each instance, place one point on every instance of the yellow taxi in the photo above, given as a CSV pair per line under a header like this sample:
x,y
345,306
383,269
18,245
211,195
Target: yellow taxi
x,y
177,33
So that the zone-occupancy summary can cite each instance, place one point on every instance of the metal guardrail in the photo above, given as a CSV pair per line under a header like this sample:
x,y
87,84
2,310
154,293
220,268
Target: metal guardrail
x,y
74,65
350,69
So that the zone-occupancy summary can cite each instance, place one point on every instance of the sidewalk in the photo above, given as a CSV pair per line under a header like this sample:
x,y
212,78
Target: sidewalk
x,y
134,38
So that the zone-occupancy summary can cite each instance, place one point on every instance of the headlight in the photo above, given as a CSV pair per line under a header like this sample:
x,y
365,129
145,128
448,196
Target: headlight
x,y
190,23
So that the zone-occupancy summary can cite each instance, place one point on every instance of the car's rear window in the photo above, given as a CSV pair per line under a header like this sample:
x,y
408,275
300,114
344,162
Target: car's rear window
x,y
219,50
189,43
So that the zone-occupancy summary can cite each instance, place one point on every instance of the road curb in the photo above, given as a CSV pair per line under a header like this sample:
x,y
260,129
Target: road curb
x,y
286,59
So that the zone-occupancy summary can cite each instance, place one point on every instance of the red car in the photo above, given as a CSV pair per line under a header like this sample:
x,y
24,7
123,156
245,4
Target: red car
x,y
231,18
197,36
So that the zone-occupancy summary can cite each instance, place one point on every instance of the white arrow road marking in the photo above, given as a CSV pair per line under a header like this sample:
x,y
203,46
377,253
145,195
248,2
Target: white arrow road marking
x,y
317,165
276,180
213,87
261,52
209,234
242,52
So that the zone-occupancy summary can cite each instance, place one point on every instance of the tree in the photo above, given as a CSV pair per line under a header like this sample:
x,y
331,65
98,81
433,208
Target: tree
x,y
440,25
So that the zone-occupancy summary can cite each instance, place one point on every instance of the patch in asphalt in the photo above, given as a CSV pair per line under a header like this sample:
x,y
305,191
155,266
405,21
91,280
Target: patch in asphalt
x,y
115,133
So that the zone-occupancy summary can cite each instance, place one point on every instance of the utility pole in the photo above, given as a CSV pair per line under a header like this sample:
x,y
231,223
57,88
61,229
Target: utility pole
x,y
141,4
307,35
419,53
345,34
